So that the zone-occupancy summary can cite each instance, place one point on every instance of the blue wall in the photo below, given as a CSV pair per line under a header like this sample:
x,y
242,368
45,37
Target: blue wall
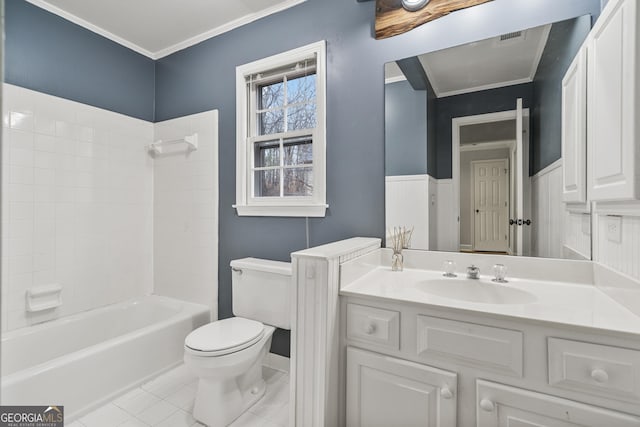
x,y
565,39
203,77
49,54
470,104
405,129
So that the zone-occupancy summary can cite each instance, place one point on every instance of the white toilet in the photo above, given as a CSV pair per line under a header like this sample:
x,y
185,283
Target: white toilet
x,y
227,355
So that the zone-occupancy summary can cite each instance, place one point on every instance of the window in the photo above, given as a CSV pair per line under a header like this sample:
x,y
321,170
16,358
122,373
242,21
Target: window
x,y
280,147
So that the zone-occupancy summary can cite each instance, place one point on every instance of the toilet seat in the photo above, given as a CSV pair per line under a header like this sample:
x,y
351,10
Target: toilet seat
x,y
224,337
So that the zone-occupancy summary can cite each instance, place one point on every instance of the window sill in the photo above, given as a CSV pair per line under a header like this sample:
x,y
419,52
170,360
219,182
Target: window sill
x,y
287,211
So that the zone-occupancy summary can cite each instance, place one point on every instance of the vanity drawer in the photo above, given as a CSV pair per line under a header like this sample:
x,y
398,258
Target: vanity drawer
x,y
373,325
602,370
484,347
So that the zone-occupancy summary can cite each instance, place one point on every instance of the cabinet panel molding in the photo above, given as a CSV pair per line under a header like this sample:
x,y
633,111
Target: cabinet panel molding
x,y
485,347
384,391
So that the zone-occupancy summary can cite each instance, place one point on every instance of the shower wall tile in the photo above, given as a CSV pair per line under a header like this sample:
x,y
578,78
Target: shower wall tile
x,y
77,205
185,212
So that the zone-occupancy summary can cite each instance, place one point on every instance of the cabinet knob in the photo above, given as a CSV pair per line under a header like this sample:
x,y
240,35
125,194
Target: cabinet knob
x,y
370,328
487,405
600,375
446,393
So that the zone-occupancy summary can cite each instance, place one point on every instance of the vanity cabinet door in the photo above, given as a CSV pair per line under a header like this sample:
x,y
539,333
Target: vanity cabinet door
x,y
574,130
504,406
383,391
612,107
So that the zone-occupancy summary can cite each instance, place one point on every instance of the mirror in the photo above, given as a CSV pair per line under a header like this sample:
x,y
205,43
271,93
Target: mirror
x,y
473,145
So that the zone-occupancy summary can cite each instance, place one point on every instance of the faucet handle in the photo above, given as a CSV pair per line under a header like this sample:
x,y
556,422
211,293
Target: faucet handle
x,y
500,271
473,272
449,268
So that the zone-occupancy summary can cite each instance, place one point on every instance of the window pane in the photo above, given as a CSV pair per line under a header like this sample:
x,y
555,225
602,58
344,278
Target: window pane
x,y
271,122
267,153
267,183
301,89
271,96
301,117
298,182
298,151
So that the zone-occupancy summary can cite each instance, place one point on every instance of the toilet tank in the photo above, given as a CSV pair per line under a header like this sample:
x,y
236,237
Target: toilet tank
x,y
262,291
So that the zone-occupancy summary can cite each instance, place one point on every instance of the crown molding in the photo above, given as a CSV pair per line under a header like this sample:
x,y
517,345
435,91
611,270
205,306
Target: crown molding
x,y
175,47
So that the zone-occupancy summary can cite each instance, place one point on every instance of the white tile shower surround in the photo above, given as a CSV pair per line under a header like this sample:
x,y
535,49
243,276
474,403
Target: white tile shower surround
x,y
81,196
77,205
185,212
167,401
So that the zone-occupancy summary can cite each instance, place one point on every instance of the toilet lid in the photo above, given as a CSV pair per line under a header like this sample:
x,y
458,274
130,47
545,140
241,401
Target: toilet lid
x,y
225,335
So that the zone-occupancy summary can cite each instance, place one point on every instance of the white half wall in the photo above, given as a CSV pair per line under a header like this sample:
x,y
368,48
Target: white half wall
x,y
77,200
547,212
185,212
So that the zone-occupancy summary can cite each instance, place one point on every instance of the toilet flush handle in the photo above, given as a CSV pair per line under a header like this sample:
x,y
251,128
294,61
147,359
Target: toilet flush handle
x,y
236,270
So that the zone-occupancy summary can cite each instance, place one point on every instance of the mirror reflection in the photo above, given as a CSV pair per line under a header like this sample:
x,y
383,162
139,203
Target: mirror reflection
x,y
473,144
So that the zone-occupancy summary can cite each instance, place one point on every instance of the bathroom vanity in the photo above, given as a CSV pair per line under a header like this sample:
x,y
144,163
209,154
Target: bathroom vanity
x,y
548,348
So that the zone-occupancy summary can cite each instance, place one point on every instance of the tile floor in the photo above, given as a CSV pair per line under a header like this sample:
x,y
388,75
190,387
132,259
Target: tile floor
x,y
167,401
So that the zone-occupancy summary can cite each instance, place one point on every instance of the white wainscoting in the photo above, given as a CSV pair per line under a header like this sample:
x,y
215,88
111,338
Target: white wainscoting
x,y
577,235
407,204
547,212
622,255
446,218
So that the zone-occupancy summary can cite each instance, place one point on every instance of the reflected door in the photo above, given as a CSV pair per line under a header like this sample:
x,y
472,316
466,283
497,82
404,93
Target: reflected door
x,y
491,205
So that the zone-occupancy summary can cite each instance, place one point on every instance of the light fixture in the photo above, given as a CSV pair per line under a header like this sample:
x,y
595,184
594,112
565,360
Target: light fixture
x,y
413,5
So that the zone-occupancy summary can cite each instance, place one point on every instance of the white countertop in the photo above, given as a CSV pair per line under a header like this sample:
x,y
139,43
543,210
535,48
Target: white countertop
x,y
582,305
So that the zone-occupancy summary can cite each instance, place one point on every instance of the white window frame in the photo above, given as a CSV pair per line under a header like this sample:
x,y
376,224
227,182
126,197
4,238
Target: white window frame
x,y
246,204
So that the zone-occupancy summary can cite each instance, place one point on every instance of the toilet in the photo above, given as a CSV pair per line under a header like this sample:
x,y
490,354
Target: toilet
x,y
227,355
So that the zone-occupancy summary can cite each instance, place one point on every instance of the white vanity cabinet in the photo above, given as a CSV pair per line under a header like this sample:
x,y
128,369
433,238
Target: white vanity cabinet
x,y
574,130
504,406
384,391
407,364
613,111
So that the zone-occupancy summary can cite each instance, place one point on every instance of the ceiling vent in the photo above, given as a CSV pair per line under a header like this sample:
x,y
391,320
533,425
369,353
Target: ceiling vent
x,y
511,37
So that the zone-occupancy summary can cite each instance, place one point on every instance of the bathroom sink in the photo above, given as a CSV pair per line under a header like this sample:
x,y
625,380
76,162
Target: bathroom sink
x,y
479,291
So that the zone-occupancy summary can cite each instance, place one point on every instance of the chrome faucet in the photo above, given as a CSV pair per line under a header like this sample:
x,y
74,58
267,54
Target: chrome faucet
x,y
473,272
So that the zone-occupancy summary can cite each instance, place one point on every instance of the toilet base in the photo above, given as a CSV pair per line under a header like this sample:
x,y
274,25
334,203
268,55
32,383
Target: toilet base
x,y
220,402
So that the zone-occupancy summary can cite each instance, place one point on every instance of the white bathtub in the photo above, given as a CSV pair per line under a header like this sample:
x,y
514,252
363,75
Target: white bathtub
x,y
83,360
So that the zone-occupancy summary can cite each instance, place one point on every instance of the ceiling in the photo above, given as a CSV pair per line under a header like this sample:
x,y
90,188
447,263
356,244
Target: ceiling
x,y
484,64
157,28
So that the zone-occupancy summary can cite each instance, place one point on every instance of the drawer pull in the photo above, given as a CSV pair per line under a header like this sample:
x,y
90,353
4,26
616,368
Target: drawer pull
x,y
446,393
600,375
487,405
370,329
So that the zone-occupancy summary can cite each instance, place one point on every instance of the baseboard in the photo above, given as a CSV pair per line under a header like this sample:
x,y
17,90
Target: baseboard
x,y
277,362
466,248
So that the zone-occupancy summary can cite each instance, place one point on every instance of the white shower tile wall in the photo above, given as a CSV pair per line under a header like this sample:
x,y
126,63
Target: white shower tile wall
x,y
77,204
621,250
186,210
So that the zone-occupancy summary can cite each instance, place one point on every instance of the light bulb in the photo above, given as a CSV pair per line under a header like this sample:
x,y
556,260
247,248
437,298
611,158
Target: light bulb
x,y
413,5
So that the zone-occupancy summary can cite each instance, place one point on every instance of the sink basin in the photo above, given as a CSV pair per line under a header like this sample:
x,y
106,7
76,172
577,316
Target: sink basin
x,y
476,291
